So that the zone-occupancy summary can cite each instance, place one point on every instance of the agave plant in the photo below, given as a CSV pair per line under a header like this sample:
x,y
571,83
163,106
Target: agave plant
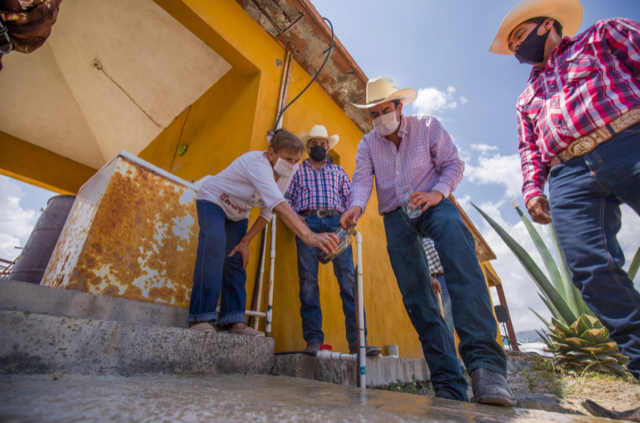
x,y
578,339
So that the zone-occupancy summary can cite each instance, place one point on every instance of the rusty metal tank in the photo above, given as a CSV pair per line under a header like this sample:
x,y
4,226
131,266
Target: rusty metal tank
x,y
33,260
132,233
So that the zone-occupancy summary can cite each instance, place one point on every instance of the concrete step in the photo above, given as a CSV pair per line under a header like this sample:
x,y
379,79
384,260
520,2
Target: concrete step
x,y
21,296
39,343
381,371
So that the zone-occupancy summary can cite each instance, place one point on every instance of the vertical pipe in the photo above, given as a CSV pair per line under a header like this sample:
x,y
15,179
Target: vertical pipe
x,y
363,351
284,86
256,320
271,275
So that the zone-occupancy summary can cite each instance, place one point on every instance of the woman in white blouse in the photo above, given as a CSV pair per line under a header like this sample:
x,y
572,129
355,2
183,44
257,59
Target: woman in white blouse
x,y
255,179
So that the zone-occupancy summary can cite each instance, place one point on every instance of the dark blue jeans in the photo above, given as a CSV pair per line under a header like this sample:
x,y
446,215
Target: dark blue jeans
x,y
214,271
471,307
310,309
585,196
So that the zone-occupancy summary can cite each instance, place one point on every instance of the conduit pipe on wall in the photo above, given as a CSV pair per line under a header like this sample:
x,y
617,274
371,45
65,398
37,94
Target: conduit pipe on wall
x,y
271,276
282,95
362,349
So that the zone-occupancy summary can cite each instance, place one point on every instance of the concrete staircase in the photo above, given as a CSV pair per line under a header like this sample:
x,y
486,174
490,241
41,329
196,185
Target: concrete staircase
x,y
52,330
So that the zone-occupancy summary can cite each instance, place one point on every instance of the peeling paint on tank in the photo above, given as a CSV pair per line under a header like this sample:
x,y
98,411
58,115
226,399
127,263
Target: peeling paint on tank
x,y
133,235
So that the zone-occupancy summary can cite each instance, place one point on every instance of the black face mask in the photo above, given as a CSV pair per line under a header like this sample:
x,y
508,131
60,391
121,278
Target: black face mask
x,y
318,153
531,50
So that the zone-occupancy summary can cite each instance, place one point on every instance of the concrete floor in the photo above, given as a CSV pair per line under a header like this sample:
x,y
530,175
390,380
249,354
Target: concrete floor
x,y
232,398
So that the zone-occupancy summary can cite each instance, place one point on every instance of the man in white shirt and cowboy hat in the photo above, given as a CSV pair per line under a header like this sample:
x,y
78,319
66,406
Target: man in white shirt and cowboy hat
x,y
319,193
579,128
416,166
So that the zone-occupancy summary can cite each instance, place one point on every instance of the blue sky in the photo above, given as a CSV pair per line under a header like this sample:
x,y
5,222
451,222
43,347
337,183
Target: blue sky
x,y
439,48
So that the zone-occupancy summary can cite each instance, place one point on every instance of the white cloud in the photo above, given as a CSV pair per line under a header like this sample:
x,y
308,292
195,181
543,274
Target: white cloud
x,y
431,100
496,169
463,100
16,223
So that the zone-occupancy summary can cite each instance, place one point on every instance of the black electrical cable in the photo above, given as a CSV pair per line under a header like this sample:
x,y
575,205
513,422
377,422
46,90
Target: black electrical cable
x,y
264,232
312,80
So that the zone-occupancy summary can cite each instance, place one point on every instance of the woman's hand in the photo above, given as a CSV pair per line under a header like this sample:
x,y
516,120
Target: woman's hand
x,y
243,249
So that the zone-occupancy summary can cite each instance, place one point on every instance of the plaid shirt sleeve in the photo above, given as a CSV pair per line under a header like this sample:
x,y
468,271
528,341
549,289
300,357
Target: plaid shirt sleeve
x,y
362,184
445,158
293,191
534,172
623,36
345,187
433,259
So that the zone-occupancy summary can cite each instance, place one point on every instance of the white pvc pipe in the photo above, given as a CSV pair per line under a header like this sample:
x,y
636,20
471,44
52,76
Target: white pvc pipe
x,y
260,279
271,273
336,356
362,352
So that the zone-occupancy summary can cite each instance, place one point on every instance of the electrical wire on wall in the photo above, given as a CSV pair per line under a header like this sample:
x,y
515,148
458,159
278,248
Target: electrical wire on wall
x,y
312,79
270,133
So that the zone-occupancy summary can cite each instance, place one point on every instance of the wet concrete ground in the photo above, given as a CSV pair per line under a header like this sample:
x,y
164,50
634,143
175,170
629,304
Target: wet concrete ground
x,y
232,398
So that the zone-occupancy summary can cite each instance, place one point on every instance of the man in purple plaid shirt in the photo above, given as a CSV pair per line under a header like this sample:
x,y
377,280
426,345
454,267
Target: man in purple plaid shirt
x,y
416,166
319,193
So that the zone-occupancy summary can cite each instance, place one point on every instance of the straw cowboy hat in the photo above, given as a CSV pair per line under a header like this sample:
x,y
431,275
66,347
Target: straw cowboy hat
x,y
319,131
383,89
568,12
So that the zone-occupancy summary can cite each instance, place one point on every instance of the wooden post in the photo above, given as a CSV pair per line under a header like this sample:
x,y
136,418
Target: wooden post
x,y
510,331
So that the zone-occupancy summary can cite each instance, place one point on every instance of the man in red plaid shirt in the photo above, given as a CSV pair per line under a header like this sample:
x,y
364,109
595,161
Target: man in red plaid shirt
x,y
319,192
579,128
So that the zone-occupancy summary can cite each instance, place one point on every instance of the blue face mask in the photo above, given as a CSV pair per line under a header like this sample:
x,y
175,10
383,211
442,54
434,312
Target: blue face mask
x,y
531,50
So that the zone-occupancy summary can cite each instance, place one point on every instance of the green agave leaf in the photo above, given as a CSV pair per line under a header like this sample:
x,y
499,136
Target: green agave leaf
x,y
564,312
564,329
577,342
572,295
547,258
554,311
635,264
546,323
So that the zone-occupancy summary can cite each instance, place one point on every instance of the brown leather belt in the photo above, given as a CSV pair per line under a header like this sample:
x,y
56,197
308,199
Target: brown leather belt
x,y
320,213
588,143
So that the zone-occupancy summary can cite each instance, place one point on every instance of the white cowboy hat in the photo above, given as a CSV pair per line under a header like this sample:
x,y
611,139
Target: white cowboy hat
x,y
319,131
384,89
568,12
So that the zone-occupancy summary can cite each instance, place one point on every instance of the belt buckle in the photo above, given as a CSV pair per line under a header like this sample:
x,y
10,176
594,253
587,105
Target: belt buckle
x,y
321,213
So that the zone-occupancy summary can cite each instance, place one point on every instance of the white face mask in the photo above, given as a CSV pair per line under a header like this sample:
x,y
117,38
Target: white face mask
x,y
284,168
386,124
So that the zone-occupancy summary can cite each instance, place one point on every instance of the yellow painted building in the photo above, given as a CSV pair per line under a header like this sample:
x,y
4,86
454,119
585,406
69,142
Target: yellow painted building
x,y
155,77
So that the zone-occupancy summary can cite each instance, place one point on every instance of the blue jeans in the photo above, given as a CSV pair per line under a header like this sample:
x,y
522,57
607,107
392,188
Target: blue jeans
x,y
214,271
446,303
471,307
310,309
585,196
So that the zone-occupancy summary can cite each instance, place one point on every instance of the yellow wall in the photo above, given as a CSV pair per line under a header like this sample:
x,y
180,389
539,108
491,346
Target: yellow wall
x,y
35,165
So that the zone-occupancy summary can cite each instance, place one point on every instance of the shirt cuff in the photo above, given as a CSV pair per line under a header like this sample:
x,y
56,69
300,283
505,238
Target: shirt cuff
x,y
356,203
443,189
533,192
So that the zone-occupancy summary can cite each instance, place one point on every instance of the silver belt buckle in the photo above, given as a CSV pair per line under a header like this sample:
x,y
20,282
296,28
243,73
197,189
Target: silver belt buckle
x,y
321,213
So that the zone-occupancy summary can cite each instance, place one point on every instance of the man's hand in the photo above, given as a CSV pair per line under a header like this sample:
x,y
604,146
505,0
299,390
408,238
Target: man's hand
x,y
424,200
350,217
243,249
435,283
327,242
538,208
303,220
